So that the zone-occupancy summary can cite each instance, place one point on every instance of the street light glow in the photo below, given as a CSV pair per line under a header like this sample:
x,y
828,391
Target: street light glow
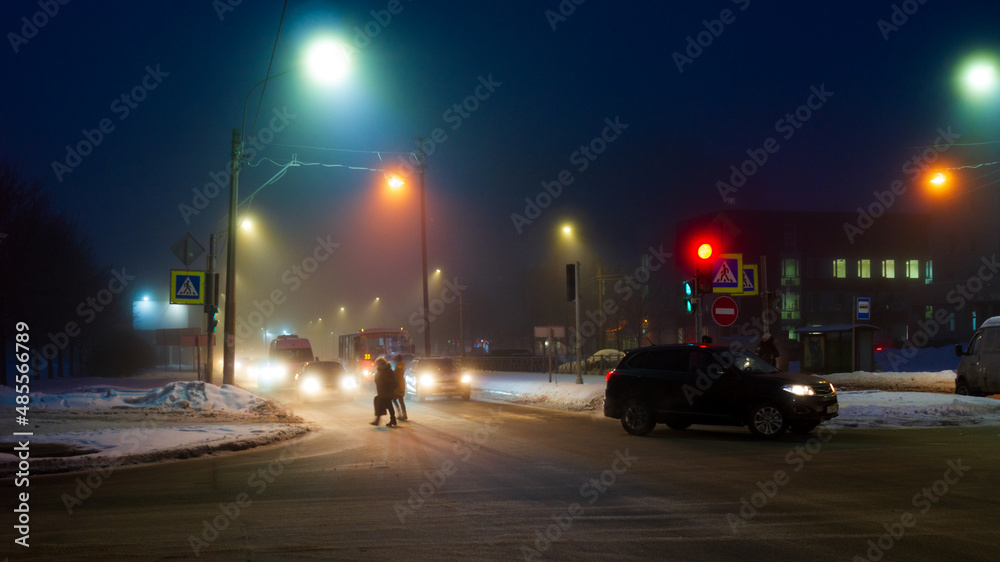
x,y
981,78
328,61
939,179
396,181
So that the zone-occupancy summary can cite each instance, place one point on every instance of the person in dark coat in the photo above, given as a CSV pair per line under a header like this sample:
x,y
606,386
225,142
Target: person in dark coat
x,y
767,350
385,388
400,394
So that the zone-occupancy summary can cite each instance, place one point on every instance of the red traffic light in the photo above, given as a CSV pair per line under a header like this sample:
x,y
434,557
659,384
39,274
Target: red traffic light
x,y
705,251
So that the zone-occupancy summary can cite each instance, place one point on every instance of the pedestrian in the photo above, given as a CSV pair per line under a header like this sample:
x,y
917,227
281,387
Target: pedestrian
x,y
767,350
385,387
400,394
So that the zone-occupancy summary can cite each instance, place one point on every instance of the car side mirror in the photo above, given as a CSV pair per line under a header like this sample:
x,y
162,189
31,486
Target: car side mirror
x,y
958,350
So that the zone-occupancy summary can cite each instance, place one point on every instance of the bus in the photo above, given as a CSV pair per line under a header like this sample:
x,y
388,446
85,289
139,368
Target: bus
x,y
358,350
286,356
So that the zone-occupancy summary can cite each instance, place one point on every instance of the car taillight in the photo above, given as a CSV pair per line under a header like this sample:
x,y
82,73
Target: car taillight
x,y
612,373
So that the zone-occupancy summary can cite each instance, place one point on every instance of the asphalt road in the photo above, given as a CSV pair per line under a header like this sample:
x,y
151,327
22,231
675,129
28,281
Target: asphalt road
x,y
485,481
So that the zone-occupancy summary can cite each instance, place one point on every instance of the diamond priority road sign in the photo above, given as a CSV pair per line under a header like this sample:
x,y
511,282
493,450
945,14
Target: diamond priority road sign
x,y
187,287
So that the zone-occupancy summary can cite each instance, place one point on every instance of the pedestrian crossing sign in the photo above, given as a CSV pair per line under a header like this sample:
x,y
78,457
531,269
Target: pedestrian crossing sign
x,y
750,282
187,287
726,277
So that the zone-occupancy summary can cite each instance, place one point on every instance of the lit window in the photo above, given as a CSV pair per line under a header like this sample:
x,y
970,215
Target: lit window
x,y
889,269
913,269
928,312
840,268
928,271
864,269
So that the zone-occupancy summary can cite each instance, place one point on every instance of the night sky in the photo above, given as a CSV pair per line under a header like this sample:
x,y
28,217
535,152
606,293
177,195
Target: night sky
x,y
663,98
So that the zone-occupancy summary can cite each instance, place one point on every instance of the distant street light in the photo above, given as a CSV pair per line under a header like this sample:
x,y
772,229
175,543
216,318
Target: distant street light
x,y
328,63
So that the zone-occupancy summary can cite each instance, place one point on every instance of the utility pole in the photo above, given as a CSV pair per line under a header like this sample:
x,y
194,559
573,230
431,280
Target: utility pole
x,y
211,308
229,343
579,337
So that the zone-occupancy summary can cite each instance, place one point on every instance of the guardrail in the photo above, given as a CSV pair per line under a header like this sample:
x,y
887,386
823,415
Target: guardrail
x,y
510,364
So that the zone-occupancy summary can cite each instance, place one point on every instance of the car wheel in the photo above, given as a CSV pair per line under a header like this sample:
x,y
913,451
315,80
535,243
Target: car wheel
x,y
638,418
803,428
678,425
961,387
767,421
467,396
420,395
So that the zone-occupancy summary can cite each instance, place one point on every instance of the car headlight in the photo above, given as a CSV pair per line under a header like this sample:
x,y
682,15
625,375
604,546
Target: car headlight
x,y
348,383
466,378
427,379
311,385
799,389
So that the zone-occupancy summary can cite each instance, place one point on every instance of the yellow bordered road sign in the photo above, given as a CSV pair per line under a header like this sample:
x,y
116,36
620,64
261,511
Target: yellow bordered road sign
x,y
187,287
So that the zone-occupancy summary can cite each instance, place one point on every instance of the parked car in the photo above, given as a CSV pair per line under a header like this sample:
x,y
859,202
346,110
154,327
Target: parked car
x,y
325,379
436,376
978,372
681,385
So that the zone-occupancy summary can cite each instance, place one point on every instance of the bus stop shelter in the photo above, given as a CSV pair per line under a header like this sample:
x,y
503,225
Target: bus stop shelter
x,y
838,348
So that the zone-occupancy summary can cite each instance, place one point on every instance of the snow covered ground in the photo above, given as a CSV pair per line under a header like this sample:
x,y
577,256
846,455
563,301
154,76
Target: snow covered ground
x,y
81,423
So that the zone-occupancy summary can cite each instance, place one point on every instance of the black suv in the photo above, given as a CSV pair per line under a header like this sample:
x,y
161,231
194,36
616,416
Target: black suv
x,y
680,385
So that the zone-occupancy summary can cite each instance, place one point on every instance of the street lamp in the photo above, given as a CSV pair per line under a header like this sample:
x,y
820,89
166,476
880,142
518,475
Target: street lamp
x,y
336,62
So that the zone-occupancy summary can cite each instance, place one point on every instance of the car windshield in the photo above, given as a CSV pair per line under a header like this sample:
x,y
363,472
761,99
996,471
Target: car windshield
x,y
324,368
444,365
749,364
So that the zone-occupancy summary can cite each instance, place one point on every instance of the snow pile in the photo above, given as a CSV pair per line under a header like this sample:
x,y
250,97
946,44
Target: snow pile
x,y
875,408
534,389
942,382
184,395
198,396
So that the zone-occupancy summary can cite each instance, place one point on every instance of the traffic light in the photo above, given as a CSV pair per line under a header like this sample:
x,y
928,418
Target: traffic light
x,y
213,319
689,288
571,282
703,269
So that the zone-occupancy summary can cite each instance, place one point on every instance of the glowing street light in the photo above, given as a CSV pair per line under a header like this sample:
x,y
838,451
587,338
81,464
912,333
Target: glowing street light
x,y
328,62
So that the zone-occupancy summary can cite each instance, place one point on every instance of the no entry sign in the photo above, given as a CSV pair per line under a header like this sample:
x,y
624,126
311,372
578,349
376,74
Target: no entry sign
x,y
724,311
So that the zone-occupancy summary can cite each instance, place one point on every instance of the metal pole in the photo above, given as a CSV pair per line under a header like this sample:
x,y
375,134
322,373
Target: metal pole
x,y
461,324
210,304
229,349
579,338
423,252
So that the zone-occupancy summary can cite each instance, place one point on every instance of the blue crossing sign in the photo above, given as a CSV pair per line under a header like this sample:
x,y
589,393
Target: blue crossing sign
x,y
187,287
727,274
